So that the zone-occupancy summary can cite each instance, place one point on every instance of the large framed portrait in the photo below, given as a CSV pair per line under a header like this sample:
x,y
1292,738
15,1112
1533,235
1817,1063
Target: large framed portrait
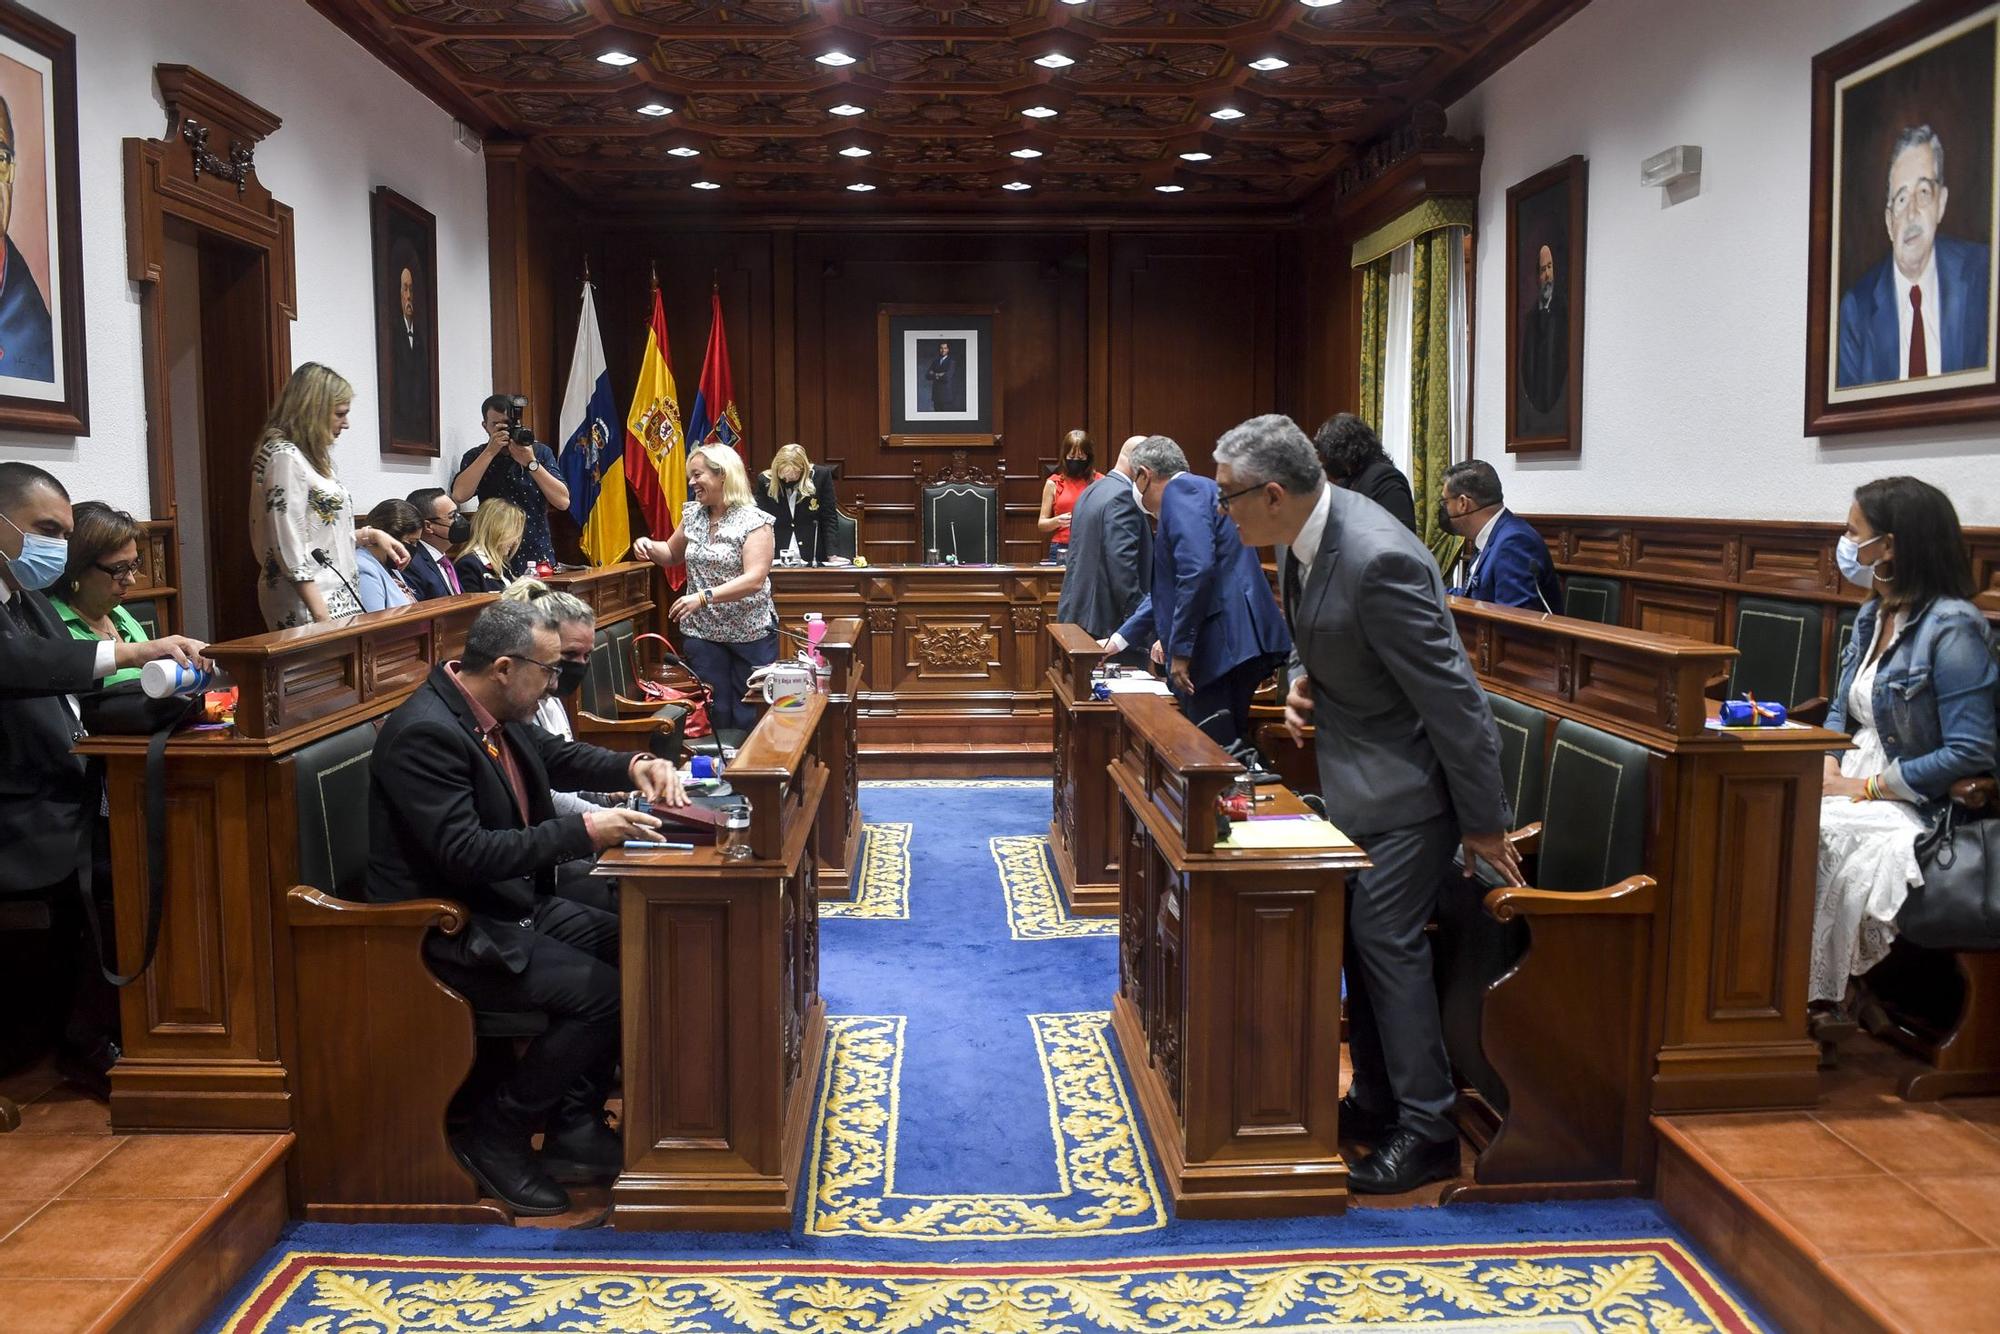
x,y
1545,216
938,372
42,378
1900,309
405,245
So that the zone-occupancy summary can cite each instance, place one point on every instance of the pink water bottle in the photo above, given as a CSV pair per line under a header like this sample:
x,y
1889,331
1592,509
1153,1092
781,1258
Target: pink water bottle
x,y
815,632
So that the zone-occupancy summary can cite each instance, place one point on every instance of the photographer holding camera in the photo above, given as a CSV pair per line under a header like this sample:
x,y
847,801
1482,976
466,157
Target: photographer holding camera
x,y
513,466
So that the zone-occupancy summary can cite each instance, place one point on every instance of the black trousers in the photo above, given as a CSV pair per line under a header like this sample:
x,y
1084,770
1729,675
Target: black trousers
x,y
572,976
1229,694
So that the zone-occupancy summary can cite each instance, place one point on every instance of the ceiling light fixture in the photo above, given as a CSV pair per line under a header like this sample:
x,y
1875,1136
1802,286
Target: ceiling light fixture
x,y
618,58
861,187
1025,153
835,58
681,150
1053,60
704,185
1039,113
1269,63
845,109
655,109
1318,4
1195,157
855,152
1017,185
1226,113
1169,189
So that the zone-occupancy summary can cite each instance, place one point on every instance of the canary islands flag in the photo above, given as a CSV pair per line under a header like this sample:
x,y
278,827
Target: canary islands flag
x,y
591,451
715,420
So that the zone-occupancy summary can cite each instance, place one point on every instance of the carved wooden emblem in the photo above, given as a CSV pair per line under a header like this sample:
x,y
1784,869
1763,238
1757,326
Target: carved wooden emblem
x,y
1027,620
957,648
882,620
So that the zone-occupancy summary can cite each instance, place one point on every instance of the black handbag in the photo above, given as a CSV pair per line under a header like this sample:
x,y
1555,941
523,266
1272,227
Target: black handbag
x,y
1957,907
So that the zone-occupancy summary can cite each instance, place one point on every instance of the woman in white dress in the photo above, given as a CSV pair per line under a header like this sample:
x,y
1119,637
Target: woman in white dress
x,y
1917,687
299,511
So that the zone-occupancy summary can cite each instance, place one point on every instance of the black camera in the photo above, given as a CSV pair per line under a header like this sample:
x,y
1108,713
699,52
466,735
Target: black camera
x,y
518,433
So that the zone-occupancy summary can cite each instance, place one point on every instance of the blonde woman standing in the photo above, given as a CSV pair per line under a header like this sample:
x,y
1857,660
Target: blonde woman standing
x,y
484,565
729,626
798,495
300,512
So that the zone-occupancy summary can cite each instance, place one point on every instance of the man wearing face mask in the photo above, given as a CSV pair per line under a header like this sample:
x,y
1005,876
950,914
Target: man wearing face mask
x,y
430,572
1510,561
1110,553
47,793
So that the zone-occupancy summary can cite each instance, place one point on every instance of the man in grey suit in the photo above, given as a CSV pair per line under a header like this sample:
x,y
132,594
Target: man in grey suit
x,y
1409,764
1110,553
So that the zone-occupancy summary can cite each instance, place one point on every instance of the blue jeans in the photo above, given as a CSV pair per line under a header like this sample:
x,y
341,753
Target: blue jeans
x,y
725,668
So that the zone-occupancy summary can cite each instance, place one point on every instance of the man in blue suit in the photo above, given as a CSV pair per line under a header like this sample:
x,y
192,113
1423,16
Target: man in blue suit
x,y
27,347
1210,611
1510,562
1923,309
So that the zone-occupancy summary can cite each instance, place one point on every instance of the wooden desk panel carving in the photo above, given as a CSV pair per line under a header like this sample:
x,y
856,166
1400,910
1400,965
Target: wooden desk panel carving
x,y
1084,811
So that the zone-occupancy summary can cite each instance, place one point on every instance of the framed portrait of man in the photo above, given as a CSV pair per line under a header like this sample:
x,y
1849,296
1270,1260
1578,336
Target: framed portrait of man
x,y
938,368
42,384
405,247
1901,304
1545,216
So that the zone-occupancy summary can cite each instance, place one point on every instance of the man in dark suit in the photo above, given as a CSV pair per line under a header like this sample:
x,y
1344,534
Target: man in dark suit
x,y
945,380
430,573
1510,561
27,340
1210,609
1353,457
48,795
1545,341
460,808
1922,310
409,366
1409,765
1110,552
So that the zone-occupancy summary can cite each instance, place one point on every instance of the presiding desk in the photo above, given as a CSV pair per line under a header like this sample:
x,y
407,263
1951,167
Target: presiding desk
x,y
1228,1004
953,658
722,1015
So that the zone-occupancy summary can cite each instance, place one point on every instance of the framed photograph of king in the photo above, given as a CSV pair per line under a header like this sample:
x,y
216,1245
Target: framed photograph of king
x,y
405,246
1545,216
1901,303
938,375
42,385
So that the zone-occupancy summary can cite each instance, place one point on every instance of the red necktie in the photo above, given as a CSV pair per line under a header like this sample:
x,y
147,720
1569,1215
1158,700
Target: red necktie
x,y
1919,362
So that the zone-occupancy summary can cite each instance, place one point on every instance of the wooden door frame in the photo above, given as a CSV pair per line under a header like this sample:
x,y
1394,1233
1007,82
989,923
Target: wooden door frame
x,y
202,171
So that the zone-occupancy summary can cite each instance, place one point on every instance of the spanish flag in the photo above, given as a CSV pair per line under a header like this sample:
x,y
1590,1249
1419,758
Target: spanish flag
x,y
655,449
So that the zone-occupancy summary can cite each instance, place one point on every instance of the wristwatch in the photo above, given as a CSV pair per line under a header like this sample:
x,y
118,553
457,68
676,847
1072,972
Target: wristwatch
x,y
534,465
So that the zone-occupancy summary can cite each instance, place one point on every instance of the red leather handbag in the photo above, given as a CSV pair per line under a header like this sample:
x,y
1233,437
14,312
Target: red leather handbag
x,y
667,679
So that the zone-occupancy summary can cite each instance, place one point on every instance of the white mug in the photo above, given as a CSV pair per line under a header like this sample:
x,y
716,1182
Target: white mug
x,y
787,678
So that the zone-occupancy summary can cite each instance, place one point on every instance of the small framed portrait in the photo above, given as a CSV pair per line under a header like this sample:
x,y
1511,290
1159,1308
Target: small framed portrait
x,y
938,374
1545,215
1900,309
405,247
42,384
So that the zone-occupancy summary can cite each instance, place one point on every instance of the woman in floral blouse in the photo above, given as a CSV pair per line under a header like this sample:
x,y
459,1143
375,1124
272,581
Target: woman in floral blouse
x,y
728,625
298,506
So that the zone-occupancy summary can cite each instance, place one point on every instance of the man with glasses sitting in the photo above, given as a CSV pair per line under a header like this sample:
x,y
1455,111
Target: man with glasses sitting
x,y
460,808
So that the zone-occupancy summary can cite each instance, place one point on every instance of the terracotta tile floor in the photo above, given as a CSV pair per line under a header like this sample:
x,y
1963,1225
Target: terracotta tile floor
x,y
1902,1199
84,1212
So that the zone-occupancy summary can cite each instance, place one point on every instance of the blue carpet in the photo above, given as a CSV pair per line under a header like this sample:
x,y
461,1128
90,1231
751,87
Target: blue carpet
x,y
936,1142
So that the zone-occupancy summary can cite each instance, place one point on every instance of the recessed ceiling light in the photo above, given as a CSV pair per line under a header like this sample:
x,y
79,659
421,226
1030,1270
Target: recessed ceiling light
x,y
1226,113
845,109
1017,185
682,150
1318,4
1026,153
855,152
834,58
1195,157
655,109
1053,60
1039,113
704,185
618,58
1169,189
861,187
1269,63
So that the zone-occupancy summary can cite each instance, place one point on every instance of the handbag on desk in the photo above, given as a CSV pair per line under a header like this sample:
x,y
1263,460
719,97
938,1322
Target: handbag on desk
x,y
669,680
1957,907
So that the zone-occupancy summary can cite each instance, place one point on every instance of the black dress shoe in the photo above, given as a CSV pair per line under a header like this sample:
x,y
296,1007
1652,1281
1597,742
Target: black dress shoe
x,y
1359,1125
1404,1162
584,1153
506,1169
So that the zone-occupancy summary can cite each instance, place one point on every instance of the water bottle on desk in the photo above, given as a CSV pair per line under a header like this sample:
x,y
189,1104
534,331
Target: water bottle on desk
x,y
163,677
735,840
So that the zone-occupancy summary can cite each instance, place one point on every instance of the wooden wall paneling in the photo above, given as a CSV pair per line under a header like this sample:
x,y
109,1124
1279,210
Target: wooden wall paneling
x,y
1689,612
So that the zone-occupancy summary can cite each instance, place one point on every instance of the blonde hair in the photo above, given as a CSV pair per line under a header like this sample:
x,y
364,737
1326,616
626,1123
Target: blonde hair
x,y
565,608
792,453
497,527
735,481
303,414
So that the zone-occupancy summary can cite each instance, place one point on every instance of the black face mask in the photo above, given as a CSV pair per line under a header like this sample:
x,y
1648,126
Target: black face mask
x,y
569,676
1077,467
1444,516
460,530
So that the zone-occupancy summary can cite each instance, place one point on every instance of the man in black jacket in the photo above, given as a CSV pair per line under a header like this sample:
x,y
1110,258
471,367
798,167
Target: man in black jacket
x,y
1353,457
47,793
459,808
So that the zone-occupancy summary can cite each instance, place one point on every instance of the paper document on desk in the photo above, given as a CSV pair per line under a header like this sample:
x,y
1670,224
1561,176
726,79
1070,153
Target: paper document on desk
x,y
1284,831
1136,685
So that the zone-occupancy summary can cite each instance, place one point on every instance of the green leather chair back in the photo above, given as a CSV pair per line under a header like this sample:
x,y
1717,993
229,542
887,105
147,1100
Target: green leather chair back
x,y
1594,823
962,519
331,776
610,672
846,534
147,613
1777,651
1590,597
1843,630
1524,755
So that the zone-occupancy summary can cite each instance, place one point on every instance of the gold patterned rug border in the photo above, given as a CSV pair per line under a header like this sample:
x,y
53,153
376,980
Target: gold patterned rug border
x,y
1106,1182
1646,1285
1034,900
882,884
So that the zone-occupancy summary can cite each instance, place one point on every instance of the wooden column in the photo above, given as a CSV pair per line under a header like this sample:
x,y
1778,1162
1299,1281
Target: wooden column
x,y
1084,818
837,840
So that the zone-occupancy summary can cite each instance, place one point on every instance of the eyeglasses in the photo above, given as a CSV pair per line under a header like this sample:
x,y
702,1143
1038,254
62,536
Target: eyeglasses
x,y
124,569
1924,194
553,669
1222,503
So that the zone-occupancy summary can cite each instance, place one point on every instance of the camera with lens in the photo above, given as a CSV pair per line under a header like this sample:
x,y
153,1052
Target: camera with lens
x,y
519,433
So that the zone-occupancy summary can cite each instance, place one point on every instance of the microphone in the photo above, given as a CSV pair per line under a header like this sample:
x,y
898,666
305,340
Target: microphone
x,y
319,554
954,542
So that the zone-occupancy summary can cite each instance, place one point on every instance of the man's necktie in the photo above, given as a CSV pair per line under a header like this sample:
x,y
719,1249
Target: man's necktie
x,y
1291,588
1919,360
450,574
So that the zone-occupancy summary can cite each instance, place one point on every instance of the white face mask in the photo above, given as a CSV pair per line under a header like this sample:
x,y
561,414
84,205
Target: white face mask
x,y
1847,555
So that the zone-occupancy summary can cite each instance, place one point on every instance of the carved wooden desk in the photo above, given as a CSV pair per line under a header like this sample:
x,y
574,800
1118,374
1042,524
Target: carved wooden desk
x,y
723,1020
838,840
1228,1006
1085,803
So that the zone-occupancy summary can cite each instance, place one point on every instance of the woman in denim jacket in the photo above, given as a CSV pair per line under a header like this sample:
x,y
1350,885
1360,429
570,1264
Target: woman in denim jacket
x,y
1917,686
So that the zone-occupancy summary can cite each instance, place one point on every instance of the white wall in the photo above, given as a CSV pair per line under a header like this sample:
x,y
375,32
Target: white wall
x,y
350,124
1694,352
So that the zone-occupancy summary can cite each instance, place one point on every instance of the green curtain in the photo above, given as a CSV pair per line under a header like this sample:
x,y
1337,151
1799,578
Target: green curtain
x,y
1374,339
1430,383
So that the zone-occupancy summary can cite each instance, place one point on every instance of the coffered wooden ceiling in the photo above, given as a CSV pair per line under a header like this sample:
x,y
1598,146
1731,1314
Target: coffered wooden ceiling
x,y
946,89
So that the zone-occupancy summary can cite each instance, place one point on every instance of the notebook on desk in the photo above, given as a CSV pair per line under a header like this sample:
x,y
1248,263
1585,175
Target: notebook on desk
x,y
1264,832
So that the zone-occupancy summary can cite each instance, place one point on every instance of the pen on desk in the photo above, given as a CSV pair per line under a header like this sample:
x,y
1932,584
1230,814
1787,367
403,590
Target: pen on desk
x,y
649,845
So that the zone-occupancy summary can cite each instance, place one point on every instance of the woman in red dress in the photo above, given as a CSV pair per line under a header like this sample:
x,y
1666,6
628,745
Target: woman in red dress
x,y
1059,493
